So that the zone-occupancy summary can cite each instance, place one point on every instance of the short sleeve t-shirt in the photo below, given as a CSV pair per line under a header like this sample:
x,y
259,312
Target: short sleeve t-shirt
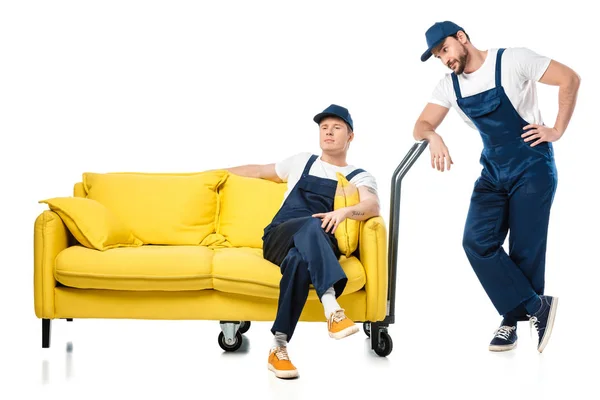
x,y
521,69
290,170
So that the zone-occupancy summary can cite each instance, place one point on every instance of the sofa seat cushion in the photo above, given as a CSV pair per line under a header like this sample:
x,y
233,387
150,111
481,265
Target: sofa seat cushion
x,y
243,270
170,268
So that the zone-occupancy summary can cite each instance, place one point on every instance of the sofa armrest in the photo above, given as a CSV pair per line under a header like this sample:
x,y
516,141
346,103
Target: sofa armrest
x,y
373,256
51,236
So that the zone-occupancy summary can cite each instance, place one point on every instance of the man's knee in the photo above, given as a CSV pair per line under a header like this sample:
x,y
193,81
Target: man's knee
x,y
295,261
476,244
312,224
468,241
312,228
294,257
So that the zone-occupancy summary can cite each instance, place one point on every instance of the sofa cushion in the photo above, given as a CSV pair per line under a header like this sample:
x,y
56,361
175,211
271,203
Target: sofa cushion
x,y
92,224
245,271
176,209
247,206
171,268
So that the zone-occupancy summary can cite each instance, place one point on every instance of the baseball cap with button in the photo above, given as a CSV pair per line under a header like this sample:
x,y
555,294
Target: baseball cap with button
x,y
335,111
436,34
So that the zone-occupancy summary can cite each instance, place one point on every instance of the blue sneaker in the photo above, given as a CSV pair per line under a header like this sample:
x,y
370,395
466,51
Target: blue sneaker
x,y
543,320
505,338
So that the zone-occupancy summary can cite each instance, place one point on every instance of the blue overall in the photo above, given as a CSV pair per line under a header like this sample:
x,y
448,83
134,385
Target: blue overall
x,y
306,254
515,191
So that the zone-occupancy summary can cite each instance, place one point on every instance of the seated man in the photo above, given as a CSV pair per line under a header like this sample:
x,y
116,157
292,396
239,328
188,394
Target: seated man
x,y
300,238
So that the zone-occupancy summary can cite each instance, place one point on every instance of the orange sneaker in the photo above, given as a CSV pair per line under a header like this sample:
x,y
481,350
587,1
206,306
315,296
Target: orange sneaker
x,y
340,326
280,364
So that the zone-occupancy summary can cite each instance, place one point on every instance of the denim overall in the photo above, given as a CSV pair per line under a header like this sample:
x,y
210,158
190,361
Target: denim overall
x,y
306,254
515,191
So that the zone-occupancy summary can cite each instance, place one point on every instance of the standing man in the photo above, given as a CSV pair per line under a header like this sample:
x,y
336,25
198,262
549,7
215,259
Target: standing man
x,y
300,238
494,91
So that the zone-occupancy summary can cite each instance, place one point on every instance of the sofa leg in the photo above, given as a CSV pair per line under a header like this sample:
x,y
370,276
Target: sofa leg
x,y
69,319
46,333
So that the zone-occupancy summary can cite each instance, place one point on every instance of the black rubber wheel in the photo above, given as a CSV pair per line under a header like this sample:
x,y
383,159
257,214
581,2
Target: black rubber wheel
x,y
385,345
367,328
230,347
244,326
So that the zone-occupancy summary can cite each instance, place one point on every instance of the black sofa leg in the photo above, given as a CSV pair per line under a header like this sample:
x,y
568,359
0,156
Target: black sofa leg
x,y
69,319
46,333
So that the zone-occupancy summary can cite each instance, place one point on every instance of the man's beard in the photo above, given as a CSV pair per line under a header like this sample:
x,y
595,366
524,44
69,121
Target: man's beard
x,y
462,62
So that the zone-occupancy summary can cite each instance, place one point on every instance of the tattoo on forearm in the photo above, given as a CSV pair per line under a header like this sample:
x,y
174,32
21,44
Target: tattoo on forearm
x,y
357,213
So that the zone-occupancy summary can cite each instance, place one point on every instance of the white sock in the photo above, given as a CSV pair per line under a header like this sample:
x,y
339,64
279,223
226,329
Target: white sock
x,y
280,339
329,301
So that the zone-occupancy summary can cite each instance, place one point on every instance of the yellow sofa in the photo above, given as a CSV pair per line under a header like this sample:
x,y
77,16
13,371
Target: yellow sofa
x,y
197,255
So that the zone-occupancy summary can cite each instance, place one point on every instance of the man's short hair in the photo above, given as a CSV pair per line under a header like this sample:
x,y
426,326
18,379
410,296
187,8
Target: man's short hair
x,y
455,36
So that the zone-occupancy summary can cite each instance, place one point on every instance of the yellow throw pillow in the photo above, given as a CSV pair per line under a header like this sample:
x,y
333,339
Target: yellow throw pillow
x,y
92,224
346,195
160,208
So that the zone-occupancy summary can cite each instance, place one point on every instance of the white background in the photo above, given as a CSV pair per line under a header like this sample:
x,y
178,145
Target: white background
x,y
190,86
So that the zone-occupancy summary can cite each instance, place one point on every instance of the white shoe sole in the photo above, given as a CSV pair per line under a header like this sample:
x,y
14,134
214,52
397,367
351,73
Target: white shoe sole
x,y
499,348
344,333
283,374
549,325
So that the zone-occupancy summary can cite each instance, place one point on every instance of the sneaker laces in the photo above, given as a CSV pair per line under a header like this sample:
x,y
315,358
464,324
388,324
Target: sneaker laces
x,y
337,316
533,323
504,332
281,353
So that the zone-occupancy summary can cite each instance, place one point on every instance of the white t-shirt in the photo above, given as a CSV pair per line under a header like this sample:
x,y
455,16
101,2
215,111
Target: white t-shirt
x,y
290,170
521,69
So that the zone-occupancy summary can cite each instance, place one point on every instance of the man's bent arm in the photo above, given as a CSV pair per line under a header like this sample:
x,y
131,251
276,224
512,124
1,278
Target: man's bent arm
x,y
568,81
431,117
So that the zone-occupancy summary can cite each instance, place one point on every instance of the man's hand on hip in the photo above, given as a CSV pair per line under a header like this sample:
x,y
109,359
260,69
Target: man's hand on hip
x,y
540,132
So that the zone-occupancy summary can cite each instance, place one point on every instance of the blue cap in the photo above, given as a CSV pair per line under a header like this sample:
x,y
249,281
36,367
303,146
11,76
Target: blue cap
x,y
335,111
437,33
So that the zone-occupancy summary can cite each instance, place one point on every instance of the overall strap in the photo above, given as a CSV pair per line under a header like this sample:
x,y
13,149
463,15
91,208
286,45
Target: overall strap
x,y
498,67
354,173
456,86
309,164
